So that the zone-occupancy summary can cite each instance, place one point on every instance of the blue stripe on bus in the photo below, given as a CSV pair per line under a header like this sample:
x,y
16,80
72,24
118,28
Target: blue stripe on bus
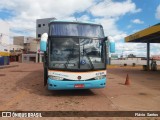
x,y
64,85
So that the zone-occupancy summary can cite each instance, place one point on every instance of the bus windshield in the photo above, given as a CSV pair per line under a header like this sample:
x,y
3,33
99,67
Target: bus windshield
x,y
73,29
76,54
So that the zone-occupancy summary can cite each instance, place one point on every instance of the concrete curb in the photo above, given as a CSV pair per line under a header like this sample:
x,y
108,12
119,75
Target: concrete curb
x,y
8,66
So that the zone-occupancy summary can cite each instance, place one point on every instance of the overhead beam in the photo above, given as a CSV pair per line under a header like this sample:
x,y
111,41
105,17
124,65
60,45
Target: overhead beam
x,y
144,33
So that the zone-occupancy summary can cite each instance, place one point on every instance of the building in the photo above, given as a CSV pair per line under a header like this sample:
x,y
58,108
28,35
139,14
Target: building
x,y
42,26
18,40
4,43
155,57
25,49
16,52
32,51
114,56
23,41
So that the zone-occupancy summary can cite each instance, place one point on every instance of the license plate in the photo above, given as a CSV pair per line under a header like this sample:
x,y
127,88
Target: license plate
x,y
79,85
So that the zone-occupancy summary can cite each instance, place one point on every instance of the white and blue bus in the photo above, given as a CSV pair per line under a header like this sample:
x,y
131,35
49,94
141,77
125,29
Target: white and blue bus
x,y
74,55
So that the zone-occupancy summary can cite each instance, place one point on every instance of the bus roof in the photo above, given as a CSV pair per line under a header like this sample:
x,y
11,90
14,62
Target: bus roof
x,y
69,21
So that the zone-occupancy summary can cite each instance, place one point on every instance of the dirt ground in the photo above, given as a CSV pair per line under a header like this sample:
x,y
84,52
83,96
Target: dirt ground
x,y
21,89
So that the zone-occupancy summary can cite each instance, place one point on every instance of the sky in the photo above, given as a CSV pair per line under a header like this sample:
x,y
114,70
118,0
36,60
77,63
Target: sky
x,y
119,18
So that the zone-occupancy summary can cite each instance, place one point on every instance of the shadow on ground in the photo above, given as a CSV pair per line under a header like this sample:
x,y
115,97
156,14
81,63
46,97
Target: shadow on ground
x,y
33,83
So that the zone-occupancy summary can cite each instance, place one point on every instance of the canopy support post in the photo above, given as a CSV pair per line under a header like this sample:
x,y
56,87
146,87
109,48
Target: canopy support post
x,y
148,55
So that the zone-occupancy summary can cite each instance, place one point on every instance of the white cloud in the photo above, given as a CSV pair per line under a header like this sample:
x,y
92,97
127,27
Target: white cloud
x,y
108,8
138,49
118,37
83,18
131,48
32,9
109,12
109,26
158,12
27,11
110,29
137,21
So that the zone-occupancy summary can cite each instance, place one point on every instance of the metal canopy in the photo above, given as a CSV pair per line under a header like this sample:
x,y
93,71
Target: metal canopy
x,y
148,35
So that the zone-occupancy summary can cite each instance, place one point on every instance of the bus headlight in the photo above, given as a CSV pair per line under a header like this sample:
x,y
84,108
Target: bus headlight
x,y
55,77
100,77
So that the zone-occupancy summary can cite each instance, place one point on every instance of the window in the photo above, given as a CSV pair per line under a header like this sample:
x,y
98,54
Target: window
x,y
79,54
39,35
43,24
39,25
87,30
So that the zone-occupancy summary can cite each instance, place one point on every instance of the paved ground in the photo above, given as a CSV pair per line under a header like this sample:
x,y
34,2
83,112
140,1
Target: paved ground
x,y
22,89
142,94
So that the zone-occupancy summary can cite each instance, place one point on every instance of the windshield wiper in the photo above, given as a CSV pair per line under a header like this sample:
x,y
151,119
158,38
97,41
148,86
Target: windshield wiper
x,y
92,66
69,57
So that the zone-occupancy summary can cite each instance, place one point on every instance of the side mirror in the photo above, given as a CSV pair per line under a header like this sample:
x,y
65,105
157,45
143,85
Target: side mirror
x,y
43,43
112,47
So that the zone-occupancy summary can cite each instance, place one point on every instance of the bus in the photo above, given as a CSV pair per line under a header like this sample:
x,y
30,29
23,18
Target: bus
x,y
74,55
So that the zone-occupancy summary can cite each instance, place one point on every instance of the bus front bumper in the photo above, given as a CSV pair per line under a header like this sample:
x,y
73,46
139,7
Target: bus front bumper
x,y
64,85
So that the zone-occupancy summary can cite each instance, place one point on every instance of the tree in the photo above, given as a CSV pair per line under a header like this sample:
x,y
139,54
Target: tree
x,y
131,56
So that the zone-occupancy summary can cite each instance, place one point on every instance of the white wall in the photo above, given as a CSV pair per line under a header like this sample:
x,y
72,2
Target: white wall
x,y
26,57
16,47
44,26
28,39
4,35
34,46
130,62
